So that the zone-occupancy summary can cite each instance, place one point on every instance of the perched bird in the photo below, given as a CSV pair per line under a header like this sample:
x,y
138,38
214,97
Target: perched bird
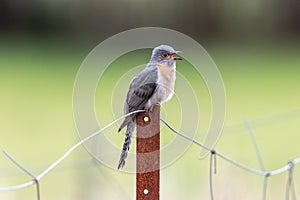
x,y
154,85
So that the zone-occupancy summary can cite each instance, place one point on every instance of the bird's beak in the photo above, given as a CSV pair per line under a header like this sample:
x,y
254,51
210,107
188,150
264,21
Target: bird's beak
x,y
177,58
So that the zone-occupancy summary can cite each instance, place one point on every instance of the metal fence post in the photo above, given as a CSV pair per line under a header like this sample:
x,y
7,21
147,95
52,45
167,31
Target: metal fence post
x,y
148,155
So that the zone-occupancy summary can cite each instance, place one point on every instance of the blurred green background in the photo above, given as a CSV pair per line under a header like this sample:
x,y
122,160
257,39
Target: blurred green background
x,y
255,44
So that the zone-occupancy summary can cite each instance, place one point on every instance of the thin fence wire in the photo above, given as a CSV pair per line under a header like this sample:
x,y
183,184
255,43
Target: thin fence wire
x,y
265,187
52,166
212,168
27,172
289,167
253,139
290,188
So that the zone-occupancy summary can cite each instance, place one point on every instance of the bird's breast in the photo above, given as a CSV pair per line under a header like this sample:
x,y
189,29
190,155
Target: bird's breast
x,y
166,82
166,74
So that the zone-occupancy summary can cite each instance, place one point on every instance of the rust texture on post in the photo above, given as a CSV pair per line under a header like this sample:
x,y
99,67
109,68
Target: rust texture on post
x,y
148,155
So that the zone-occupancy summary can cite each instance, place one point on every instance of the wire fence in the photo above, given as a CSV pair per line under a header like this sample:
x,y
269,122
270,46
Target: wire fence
x,y
262,172
289,167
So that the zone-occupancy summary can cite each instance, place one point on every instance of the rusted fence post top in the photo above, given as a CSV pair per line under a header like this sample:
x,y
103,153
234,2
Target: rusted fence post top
x,y
148,122
148,155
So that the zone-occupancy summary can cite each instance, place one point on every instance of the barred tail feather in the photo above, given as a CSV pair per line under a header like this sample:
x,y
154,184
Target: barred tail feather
x,y
126,145
127,120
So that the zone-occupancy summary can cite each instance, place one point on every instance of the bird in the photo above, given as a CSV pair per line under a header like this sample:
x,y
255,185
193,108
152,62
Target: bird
x,y
153,85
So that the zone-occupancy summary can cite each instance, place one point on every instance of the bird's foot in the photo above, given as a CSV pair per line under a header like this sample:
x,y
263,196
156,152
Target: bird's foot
x,y
151,107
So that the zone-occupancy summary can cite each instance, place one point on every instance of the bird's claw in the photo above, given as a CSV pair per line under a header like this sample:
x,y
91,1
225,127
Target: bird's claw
x,y
151,107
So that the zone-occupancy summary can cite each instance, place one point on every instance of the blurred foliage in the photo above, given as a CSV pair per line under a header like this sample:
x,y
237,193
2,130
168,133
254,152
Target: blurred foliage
x,y
100,19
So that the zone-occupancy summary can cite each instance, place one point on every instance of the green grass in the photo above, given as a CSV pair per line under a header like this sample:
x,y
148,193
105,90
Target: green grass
x,y
36,83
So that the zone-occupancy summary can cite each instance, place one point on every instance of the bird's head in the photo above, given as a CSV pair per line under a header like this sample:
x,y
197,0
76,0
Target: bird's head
x,y
164,54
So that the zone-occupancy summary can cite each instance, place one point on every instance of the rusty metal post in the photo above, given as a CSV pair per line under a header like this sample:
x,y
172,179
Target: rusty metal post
x,y
148,155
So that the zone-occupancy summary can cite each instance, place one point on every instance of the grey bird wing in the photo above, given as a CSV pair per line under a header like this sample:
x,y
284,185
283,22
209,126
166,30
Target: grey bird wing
x,y
140,96
141,88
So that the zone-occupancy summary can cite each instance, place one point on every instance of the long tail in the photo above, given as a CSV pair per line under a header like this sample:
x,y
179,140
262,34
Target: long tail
x,y
126,145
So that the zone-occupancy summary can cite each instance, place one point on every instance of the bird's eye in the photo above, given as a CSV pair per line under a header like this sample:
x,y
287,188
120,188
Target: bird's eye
x,y
164,55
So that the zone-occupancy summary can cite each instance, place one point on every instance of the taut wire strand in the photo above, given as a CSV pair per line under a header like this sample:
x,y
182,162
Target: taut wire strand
x,y
212,164
265,186
290,188
237,164
258,154
27,172
52,166
262,172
